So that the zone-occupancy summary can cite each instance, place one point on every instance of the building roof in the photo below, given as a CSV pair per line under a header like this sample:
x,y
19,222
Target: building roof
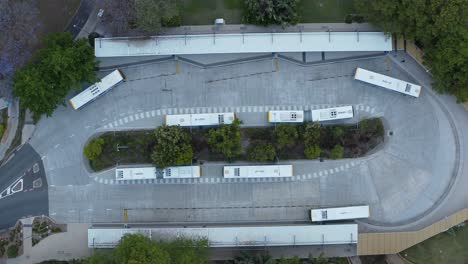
x,y
243,43
236,236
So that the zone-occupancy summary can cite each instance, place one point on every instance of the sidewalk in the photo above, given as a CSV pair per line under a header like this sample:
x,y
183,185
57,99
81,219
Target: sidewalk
x,y
10,132
72,244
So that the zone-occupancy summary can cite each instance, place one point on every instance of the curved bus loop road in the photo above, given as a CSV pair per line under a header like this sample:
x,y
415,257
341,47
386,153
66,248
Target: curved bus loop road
x,y
418,168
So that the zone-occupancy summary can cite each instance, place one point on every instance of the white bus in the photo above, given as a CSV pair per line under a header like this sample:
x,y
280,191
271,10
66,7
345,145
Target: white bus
x,y
286,116
260,171
339,213
211,119
387,82
333,113
145,173
181,172
97,89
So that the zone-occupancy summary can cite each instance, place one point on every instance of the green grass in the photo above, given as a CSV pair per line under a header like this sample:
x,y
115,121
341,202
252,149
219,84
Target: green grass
x,y
204,12
448,247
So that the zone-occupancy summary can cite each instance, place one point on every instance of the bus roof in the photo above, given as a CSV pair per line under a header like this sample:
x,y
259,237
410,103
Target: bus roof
x,y
339,213
333,113
387,82
135,173
96,89
259,171
286,116
182,172
208,119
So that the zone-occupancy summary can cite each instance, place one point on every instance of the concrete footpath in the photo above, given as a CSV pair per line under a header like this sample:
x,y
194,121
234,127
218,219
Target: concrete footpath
x,y
72,244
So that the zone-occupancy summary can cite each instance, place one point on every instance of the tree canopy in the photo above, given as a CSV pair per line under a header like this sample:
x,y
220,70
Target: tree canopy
x,y
173,147
151,15
285,135
139,249
271,12
438,26
261,151
226,139
61,65
94,148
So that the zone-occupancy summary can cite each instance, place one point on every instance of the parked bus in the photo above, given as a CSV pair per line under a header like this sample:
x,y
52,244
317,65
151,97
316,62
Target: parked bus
x,y
387,82
286,116
339,213
211,119
333,113
182,172
260,171
97,89
145,173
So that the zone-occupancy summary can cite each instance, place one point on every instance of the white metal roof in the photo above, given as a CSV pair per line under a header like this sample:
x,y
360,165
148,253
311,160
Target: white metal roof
x,y
96,89
259,171
387,82
182,172
286,116
135,173
237,236
208,119
339,213
243,43
332,113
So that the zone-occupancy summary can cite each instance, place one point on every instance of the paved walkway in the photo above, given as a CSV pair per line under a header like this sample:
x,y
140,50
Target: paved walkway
x,y
62,246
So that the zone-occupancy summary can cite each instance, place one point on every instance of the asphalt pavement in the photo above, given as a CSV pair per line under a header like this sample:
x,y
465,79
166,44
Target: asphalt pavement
x,y
30,197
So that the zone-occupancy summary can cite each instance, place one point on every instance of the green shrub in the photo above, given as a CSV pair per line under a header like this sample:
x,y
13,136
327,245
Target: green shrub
x,y
312,152
285,135
271,12
348,19
12,251
312,134
337,152
359,19
261,151
371,127
2,130
173,147
94,149
173,21
226,140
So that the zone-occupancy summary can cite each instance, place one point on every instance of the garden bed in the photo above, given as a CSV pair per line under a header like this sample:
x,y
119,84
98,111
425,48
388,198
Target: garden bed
x,y
352,141
11,244
44,227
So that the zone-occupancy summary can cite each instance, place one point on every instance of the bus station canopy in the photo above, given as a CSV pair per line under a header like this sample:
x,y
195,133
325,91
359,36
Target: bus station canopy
x,y
243,43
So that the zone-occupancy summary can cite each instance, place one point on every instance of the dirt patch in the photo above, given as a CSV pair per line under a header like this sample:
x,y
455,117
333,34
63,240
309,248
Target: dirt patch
x,y
55,14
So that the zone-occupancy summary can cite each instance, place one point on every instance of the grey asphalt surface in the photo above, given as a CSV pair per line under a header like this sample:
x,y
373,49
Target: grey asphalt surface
x,y
80,18
31,201
401,181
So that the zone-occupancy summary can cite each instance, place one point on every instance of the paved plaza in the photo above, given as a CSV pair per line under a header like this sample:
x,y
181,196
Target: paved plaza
x,y
401,181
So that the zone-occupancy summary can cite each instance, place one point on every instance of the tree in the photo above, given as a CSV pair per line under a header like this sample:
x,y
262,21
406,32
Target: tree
x,y
19,26
312,134
139,249
12,251
187,251
100,257
271,12
337,152
438,26
371,127
150,14
312,151
226,140
285,135
61,65
94,149
173,147
261,151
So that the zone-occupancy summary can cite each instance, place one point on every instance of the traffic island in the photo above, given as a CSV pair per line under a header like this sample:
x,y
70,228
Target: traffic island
x,y
228,143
